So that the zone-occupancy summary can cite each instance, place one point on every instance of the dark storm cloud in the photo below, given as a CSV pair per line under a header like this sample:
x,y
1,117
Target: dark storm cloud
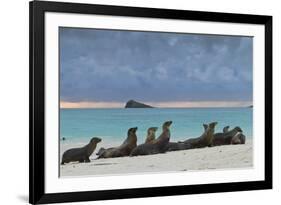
x,y
104,65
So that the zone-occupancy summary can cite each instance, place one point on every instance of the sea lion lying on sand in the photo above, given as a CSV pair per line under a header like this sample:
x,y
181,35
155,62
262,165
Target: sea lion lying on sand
x,y
226,137
203,141
81,154
238,138
160,145
150,138
174,146
124,149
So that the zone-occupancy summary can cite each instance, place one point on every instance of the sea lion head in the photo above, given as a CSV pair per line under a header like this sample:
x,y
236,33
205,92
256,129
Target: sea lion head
x,y
209,132
167,125
150,138
205,126
212,125
238,138
152,130
242,138
132,137
95,140
238,129
132,130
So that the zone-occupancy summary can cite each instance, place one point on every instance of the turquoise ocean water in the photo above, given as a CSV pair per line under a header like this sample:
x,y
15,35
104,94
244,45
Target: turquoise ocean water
x,y
112,124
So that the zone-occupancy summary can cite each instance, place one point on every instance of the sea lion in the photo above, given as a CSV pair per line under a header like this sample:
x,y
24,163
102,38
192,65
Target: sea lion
x,y
174,146
239,138
124,149
160,145
150,138
203,141
225,138
81,154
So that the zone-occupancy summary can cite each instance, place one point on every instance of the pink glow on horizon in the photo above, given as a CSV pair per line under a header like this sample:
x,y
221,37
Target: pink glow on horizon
x,y
187,104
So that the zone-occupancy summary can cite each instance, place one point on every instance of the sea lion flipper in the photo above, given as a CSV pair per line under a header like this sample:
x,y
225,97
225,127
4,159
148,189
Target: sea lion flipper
x,y
225,129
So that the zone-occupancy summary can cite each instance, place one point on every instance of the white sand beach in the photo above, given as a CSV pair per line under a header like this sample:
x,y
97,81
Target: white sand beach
x,y
219,157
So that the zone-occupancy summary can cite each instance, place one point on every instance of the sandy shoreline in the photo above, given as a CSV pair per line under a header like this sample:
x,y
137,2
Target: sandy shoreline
x,y
220,157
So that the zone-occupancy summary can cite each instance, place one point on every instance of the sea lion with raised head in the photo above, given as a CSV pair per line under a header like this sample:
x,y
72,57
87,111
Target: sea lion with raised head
x,y
124,149
150,138
226,137
203,141
81,154
160,145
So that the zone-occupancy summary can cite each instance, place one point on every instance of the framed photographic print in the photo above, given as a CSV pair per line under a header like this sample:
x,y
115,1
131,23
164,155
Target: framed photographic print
x,y
140,102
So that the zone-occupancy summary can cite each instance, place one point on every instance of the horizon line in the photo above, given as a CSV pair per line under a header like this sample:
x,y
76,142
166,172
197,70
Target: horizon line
x,y
174,104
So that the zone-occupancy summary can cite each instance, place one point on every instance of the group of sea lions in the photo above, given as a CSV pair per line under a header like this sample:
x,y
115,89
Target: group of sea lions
x,y
209,138
153,145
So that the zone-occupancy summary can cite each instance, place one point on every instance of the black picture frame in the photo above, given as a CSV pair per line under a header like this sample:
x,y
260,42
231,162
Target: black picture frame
x,y
37,11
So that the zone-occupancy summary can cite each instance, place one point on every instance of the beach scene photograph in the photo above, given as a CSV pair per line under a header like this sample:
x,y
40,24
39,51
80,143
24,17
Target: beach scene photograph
x,y
137,102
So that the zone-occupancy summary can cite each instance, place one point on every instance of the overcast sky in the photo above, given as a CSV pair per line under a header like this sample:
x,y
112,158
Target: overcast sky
x,y
115,66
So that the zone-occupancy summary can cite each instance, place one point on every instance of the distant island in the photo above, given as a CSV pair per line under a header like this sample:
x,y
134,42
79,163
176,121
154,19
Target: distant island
x,y
135,104
251,106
